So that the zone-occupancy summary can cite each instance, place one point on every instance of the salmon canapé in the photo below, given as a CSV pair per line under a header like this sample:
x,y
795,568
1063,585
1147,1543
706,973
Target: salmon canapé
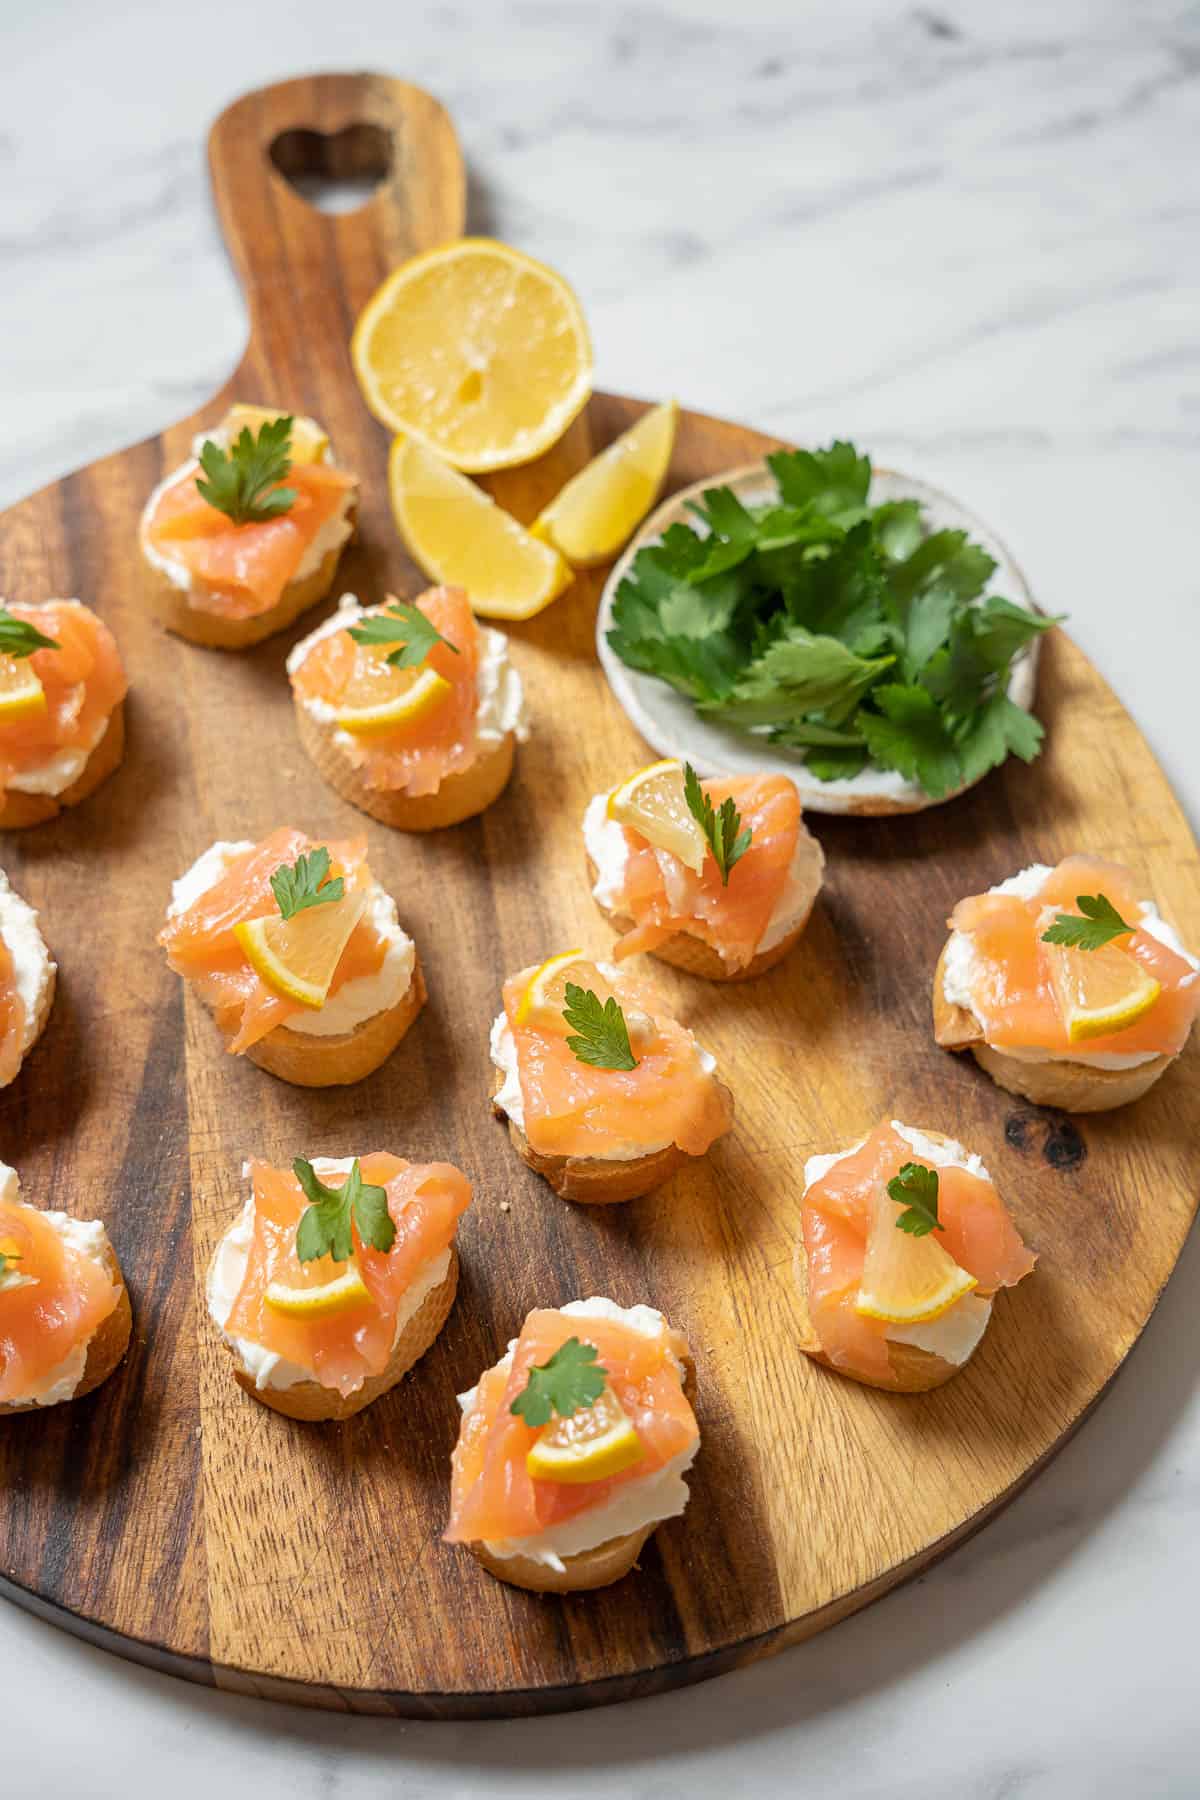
x,y
334,1319
591,1104
847,1205
998,965
56,700
502,1495
27,979
238,895
655,867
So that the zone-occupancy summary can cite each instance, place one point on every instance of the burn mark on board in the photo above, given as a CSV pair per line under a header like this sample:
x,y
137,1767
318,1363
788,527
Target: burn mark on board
x,y
1030,1128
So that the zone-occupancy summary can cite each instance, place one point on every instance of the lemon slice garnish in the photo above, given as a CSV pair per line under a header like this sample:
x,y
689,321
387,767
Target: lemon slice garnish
x,y
298,957
344,1291
21,692
545,993
600,508
458,535
386,699
1098,991
476,351
594,1443
652,804
906,1280
309,442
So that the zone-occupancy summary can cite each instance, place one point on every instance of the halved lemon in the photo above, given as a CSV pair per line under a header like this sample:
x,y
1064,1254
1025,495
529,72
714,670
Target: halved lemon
x,y
546,991
906,1280
1099,991
309,442
476,351
380,698
21,692
591,518
652,804
298,957
458,535
594,1443
345,1290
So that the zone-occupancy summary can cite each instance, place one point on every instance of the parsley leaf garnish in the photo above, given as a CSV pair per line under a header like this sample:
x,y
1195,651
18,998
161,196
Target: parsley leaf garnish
x,y
8,1261
1100,924
325,1225
721,829
19,638
602,1039
916,1189
299,885
243,481
570,1380
406,625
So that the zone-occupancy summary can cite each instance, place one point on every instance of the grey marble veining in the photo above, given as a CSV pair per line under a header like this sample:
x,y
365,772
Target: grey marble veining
x,y
967,234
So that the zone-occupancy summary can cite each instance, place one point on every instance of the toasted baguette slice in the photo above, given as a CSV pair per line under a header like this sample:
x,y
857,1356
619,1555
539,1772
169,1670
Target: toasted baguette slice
x,y
215,632
597,1180
106,1348
17,810
696,957
589,1569
1047,1081
310,1401
459,797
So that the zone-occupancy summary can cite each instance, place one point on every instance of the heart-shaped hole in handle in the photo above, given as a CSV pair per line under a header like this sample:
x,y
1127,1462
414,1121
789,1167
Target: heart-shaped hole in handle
x,y
336,173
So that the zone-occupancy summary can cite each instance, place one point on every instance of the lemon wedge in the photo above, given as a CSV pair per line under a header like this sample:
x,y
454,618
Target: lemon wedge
x,y
458,535
906,1280
1099,991
597,512
345,1290
476,351
21,692
309,442
652,803
298,957
379,698
594,1443
545,993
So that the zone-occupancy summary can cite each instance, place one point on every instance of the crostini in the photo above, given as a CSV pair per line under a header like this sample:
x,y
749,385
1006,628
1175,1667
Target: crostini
x,y
62,712
247,534
65,1318
335,1278
574,1447
605,1094
1066,986
904,1242
411,711
718,877
298,953
27,978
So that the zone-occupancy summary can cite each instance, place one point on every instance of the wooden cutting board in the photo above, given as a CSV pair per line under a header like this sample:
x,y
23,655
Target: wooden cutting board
x,y
171,1518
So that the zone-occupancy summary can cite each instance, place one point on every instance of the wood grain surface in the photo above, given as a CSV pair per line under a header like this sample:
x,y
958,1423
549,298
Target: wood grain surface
x,y
170,1517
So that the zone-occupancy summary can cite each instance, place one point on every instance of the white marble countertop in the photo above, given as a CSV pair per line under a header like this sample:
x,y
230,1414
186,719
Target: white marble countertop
x,y
968,235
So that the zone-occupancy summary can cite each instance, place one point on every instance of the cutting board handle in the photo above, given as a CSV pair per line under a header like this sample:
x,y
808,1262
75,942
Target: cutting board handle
x,y
302,269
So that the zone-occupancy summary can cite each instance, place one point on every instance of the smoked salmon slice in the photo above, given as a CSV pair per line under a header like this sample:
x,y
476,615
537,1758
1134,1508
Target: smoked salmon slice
x,y
12,1018
1012,995
836,1216
61,1299
492,1495
417,757
425,1201
202,946
83,682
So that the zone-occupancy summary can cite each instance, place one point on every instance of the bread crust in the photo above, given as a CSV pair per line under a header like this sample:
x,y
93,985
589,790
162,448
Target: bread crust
x,y
1069,1086
312,1403
215,632
107,1346
589,1569
459,797
693,955
18,811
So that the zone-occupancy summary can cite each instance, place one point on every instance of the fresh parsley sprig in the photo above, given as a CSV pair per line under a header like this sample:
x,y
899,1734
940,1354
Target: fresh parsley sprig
x,y
570,1380
19,638
243,481
9,1258
405,625
303,883
325,1224
602,1036
721,829
915,1188
1100,924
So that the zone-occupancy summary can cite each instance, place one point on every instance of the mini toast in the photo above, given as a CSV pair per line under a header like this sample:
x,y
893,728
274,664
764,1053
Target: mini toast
x,y
63,732
231,560
320,1328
